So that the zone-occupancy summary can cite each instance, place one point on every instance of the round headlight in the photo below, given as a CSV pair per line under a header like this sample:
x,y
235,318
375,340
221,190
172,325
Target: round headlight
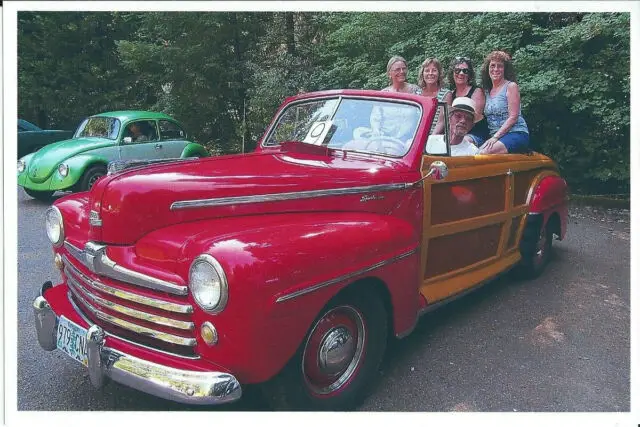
x,y
208,283
63,170
54,225
21,166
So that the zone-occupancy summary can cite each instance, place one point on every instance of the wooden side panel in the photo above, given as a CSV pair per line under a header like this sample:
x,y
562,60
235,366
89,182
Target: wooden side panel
x,y
444,254
513,232
459,200
522,183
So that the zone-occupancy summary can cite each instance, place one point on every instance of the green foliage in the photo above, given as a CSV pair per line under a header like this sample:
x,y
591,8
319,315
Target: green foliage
x,y
224,74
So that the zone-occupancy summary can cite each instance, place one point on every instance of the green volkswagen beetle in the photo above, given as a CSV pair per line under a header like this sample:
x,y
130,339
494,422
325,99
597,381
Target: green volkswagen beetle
x,y
76,164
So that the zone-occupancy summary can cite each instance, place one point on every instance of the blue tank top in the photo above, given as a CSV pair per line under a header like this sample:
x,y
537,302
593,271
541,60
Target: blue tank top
x,y
496,110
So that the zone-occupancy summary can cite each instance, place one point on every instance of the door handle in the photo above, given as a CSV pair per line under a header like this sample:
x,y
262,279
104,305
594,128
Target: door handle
x,y
158,146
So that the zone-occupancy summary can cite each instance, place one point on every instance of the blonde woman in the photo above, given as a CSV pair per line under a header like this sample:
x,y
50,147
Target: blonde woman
x,y
397,73
431,81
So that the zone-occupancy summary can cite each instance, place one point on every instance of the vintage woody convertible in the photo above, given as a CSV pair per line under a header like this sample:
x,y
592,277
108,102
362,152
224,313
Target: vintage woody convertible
x,y
291,266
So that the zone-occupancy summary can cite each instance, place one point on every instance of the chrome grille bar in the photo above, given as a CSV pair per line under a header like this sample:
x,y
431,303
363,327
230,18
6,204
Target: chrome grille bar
x,y
160,320
129,296
94,257
121,338
162,336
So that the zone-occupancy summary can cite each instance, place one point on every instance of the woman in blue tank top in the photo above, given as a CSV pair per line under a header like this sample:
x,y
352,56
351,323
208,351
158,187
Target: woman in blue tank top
x,y
508,130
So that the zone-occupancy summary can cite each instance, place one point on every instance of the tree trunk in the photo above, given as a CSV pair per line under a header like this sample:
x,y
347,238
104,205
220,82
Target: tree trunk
x,y
290,36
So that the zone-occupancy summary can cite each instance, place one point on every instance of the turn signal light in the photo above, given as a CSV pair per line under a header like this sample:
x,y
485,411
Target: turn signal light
x,y
209,333
57,260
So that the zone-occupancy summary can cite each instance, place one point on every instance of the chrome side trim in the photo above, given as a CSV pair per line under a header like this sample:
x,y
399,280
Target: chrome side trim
x,y
345,277
129,296
148,317
162,336
94,257
277,197
109,334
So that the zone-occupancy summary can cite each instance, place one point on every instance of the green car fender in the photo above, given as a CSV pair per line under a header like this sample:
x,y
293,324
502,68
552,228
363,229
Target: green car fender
x,y
22,176
194,150
78,165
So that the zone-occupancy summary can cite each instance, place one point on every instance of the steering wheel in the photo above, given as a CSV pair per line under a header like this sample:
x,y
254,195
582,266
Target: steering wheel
x,y
387,144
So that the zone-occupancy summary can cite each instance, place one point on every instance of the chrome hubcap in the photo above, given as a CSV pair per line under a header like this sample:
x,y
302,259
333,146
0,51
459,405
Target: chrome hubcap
x,y
336,351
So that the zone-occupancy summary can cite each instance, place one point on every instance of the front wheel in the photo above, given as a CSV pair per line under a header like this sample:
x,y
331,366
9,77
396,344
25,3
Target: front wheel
x,y
90,177
338,358
43,196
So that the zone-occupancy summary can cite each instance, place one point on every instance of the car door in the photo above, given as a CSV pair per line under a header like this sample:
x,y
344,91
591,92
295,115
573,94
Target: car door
x,y
472,219
172,137
149,149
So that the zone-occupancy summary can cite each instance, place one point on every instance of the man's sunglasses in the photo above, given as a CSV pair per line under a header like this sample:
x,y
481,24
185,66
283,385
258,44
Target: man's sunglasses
x,y
461,70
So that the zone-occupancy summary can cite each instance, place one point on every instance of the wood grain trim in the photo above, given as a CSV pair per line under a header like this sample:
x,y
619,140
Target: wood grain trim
x,y
440,287
464,172
471,223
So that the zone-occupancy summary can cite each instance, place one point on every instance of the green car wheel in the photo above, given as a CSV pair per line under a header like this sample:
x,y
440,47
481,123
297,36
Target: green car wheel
x,y
44,196
90,177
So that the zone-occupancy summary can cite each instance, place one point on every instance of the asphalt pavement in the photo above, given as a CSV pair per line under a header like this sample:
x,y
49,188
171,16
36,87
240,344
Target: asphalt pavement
x,y
559,343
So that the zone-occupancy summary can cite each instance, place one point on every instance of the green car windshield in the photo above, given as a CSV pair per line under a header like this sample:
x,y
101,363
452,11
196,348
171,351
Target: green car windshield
x,y
100,127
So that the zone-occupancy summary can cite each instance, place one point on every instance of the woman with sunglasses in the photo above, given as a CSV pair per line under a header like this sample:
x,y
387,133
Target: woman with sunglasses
x,y
510,133
462,79
431,80
397,73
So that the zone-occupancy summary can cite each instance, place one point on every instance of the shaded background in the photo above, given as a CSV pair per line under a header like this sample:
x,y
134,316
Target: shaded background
x,y
224,74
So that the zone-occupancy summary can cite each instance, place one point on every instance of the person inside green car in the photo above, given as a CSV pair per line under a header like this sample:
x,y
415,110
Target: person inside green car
x,y
136,133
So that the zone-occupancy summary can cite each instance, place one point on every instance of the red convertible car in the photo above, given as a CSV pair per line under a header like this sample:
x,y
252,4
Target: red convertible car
x,y
291,266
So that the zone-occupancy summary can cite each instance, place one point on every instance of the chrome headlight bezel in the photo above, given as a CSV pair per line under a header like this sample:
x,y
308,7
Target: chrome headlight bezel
x,y
21,166
196,288
54,213
63,170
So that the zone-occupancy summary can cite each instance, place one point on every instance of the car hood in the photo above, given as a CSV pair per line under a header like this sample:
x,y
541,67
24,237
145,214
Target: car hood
x,y
45,161
135,202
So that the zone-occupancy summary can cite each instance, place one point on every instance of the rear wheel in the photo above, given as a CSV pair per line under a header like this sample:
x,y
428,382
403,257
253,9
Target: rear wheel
x,y
43,196
535,249
338,358
90,176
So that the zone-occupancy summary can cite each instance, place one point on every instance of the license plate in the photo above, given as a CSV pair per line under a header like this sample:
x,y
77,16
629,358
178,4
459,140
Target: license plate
x,y
72,339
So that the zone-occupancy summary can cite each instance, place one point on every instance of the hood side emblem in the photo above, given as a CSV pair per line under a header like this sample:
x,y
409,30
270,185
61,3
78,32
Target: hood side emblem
x,y
369,197
94,219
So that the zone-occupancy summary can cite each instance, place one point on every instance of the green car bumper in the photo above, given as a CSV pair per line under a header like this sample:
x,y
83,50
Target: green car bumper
x,y
53,183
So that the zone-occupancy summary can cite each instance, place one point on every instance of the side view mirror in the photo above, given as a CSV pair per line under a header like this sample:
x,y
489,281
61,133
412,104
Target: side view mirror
x,y
438,170
127,140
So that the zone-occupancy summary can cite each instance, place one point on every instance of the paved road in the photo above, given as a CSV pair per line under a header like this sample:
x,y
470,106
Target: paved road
x,y
558,343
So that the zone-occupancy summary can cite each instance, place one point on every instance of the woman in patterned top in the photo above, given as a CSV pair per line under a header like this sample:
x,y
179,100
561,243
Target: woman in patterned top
x,y
502,107
462,79
431,80
397,72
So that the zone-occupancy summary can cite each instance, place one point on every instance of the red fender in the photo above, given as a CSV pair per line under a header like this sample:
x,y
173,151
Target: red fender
x,y
549,196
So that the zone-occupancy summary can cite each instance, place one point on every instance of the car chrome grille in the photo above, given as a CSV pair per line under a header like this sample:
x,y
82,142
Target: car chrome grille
x,y
149,321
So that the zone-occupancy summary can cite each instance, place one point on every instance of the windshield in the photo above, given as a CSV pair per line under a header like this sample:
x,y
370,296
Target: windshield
x,y
366,125
101,127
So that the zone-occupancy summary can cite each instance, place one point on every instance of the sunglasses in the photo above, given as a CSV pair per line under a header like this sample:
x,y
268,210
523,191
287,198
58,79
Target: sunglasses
x,y
462,58
464,71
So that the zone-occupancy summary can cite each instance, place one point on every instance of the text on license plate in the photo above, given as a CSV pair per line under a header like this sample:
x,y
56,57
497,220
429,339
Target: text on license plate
x,y
72,339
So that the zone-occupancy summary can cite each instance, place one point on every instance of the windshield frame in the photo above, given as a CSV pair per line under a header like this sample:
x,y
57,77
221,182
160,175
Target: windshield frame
x,y
341,98
83,125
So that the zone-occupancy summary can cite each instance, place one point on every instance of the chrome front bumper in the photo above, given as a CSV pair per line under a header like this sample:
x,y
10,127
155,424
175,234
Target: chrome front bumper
x,y
193,387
